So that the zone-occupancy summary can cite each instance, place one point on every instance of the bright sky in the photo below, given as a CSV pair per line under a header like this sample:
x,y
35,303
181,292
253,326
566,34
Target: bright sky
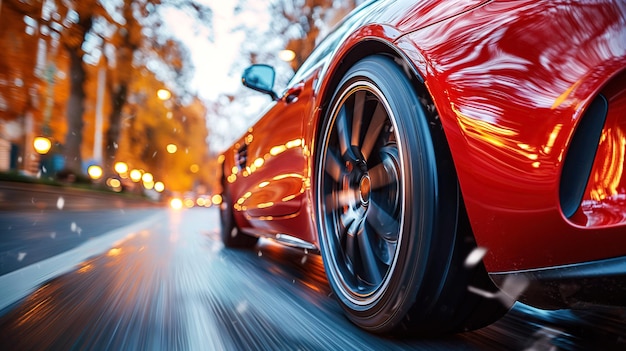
x,y
213,59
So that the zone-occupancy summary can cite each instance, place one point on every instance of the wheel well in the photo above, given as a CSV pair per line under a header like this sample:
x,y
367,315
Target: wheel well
x,y
363,50
376,47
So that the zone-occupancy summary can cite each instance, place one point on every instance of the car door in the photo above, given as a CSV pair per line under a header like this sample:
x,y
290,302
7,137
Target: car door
x,y
274,162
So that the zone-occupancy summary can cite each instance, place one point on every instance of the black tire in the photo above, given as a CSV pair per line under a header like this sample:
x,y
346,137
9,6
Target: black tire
x,y
231,235
393,230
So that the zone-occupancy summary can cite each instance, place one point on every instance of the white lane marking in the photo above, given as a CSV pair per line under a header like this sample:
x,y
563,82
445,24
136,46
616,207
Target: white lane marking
x,y
19,283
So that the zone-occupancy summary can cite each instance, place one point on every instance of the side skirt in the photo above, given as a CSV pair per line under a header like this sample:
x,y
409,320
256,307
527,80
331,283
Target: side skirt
x,y
582,285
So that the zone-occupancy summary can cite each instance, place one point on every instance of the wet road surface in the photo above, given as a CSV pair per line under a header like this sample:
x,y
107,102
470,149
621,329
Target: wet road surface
x,y
32,236
169,284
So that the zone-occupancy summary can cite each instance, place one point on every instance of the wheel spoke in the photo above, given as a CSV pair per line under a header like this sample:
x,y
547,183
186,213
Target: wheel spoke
x,y
357,117
350,240
373,130
339,199
369,263
347,218
333,166
380,177
385,250
386,226
343,133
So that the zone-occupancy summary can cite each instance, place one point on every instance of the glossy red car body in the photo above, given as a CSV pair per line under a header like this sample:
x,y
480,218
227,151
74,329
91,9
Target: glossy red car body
x,y
512,81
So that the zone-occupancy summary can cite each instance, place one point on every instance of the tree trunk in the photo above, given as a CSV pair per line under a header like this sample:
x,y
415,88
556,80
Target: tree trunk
x,y
118,99
75,110
76,102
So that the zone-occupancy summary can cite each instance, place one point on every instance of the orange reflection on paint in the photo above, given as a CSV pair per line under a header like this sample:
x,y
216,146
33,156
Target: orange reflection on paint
x,y
607,176
502,138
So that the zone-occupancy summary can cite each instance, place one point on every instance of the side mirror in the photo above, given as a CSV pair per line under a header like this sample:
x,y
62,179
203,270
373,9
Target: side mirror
x,y
260,78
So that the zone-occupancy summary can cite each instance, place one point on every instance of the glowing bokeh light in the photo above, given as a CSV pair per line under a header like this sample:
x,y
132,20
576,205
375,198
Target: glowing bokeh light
x,y
171,148
159,186
147,177
114,183
42,145
135,175
176,203
164,94
286,55
216,199
95,171
121,167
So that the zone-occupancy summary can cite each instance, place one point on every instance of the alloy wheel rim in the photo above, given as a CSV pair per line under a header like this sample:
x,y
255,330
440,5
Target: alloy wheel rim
x,y
361,193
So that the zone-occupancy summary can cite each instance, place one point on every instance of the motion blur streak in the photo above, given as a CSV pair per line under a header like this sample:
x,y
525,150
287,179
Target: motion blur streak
x,y
174,287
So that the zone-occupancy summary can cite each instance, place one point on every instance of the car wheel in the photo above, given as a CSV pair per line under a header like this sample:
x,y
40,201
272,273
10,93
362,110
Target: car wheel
x,y
230,233
393,231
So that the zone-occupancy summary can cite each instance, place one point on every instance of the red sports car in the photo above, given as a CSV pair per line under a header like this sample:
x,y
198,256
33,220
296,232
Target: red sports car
x,y
447,158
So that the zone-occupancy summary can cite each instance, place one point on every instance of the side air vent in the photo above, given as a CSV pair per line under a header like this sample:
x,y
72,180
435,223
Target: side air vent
x,y
581,154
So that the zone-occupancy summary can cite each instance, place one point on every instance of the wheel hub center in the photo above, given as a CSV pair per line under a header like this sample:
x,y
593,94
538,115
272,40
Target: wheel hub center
x,y
365,188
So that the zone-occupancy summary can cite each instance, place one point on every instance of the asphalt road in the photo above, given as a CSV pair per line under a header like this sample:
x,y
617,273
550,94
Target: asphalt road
x,y
32,236
165,282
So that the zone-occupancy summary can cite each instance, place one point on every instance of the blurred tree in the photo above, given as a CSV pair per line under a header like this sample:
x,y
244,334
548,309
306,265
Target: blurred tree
x,y
19,37
126,40
137,43
55,50
29,36
151,124
79,22
19,81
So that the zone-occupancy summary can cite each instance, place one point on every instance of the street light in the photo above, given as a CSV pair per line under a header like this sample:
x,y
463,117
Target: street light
x,y
42,145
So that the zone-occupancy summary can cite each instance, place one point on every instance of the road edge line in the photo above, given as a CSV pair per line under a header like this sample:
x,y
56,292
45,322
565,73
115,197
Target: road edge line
x,y
18,284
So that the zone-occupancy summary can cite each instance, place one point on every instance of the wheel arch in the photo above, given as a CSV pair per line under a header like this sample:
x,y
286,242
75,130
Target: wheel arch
x,y
361,50
345,60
